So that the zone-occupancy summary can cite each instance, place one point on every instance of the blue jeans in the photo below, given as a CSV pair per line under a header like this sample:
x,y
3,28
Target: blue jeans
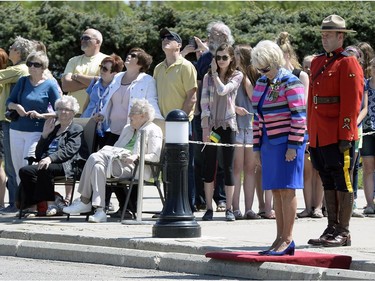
x,y
9,169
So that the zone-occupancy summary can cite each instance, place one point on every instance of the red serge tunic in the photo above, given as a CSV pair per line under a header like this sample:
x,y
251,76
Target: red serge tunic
x,y
327,123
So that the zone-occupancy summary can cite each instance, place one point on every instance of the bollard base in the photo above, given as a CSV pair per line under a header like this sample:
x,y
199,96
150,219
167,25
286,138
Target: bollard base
x,y
176,230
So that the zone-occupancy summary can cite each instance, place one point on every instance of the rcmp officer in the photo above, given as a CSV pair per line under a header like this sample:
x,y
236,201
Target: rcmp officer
x,y
335,94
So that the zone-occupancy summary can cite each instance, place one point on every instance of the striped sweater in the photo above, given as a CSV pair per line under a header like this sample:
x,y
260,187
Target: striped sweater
x,y
283,113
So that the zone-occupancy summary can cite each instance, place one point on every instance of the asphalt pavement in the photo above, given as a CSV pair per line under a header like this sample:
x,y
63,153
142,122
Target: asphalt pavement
x,y
131,244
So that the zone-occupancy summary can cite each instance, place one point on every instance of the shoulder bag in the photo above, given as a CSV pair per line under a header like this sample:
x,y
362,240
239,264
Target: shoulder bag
x,y
12,114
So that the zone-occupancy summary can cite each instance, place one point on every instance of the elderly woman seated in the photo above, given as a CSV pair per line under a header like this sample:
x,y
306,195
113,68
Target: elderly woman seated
x,y
127,150
61,142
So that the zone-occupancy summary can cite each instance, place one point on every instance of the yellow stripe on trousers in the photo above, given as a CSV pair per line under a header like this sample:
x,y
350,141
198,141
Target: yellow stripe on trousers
x,y
346,171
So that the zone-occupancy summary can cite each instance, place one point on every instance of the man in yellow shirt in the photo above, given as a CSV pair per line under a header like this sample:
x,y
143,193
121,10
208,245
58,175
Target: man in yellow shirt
x,y
176,83
80,70
176,77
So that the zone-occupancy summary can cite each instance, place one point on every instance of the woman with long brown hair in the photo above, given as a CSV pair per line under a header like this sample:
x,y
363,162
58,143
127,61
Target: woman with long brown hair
x,y
244,161
219,123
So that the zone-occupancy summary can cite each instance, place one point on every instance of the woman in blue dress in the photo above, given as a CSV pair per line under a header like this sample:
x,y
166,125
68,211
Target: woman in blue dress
x,y
279,129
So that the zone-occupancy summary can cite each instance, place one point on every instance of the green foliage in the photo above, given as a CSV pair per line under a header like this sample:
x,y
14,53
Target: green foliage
x,y
60,24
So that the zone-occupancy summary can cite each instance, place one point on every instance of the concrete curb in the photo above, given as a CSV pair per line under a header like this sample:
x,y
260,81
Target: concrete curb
x,y
175,262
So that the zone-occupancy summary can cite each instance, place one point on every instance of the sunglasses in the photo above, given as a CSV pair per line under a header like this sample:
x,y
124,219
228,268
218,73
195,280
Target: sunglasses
x,y
264,70
85,38
168,37
103,68
65,110
224,58
35,64
133,55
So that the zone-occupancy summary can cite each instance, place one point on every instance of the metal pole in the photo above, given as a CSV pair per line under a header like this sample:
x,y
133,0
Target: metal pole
x,y
141,176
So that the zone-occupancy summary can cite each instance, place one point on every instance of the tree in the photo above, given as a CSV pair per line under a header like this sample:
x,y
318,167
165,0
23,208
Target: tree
x,y
60,24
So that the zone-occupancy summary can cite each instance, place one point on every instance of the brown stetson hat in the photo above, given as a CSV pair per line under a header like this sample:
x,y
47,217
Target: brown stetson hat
x,y
334,23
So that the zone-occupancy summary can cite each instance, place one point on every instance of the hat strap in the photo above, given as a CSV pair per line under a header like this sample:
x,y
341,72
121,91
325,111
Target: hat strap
x,y
333,27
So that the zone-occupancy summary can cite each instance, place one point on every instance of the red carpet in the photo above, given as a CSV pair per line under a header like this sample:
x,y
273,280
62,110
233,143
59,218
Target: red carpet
x,y
300,257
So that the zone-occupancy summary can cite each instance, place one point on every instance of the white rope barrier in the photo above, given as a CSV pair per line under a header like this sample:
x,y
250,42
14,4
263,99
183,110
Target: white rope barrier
x,y
244,145
369,133
221,144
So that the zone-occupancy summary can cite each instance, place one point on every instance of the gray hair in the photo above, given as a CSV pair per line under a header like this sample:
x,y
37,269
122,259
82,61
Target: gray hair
x,y
97,34
24,46
68,102
267,53
39,55
144,107
223,28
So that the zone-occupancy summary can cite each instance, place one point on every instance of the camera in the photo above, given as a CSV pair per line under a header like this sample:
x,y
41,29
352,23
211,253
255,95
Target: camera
x,y
193,43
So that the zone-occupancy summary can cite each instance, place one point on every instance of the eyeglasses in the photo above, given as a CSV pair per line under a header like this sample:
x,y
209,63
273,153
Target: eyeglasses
x,y
214,34
35,64
264,70
135,113
168,37
85,38
133,55
103,68
224,58
65,109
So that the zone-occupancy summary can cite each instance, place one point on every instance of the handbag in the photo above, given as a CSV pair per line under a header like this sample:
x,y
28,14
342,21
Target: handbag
x,y
12,114
114,158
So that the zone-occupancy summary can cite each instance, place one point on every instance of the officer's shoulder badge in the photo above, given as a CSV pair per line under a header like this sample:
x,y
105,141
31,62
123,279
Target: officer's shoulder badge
x,y
345,54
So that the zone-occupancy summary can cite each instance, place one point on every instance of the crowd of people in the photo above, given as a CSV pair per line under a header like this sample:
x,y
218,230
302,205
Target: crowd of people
x,y
285,126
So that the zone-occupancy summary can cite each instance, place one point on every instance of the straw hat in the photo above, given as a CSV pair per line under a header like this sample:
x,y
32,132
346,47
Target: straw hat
x,y
334,23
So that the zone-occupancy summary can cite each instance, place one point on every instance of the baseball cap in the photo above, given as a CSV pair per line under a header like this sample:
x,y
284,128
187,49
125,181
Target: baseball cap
x,y
173,35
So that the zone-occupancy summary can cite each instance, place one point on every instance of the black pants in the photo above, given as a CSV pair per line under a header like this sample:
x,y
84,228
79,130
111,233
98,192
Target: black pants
x,y
226,136
333,166
38,185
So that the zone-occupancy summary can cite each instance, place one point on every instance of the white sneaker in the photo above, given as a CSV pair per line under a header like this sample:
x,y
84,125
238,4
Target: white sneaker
x,y
78,207
99,216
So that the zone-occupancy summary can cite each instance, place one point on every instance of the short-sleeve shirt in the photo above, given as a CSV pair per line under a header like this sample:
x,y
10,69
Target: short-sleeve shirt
x,y
173,83
35,98
86,66
98,95
8,78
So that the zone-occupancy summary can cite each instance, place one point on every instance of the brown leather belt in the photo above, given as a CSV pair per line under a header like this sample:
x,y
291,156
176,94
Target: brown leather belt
x,y
319,100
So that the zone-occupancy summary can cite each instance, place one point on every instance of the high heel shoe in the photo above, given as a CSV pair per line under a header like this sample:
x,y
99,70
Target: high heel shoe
x,y
263,253
288,251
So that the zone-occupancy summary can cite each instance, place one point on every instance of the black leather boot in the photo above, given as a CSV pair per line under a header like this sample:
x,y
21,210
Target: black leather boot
x,y
331,206
328,232
341,237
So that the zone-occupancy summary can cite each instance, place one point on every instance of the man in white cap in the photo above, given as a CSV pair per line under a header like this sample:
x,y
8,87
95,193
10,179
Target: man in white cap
x,y
335,95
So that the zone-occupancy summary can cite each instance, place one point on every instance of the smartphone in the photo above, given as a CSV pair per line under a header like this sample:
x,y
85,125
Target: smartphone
x,y
193,43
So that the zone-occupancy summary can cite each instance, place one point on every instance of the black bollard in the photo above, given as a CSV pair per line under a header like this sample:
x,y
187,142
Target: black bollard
x,y
176,219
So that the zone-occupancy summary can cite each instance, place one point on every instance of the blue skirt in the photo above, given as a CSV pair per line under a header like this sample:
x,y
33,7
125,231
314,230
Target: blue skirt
x,y
277,173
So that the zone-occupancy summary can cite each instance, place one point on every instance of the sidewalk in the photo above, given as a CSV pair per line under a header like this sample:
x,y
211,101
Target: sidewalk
x,y
132,244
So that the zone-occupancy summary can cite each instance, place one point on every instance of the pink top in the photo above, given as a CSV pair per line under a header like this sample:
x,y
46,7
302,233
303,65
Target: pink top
x,y
119,113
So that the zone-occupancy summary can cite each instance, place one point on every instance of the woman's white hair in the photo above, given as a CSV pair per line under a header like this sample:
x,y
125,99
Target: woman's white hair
x,y
267,53
144,107
67,102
